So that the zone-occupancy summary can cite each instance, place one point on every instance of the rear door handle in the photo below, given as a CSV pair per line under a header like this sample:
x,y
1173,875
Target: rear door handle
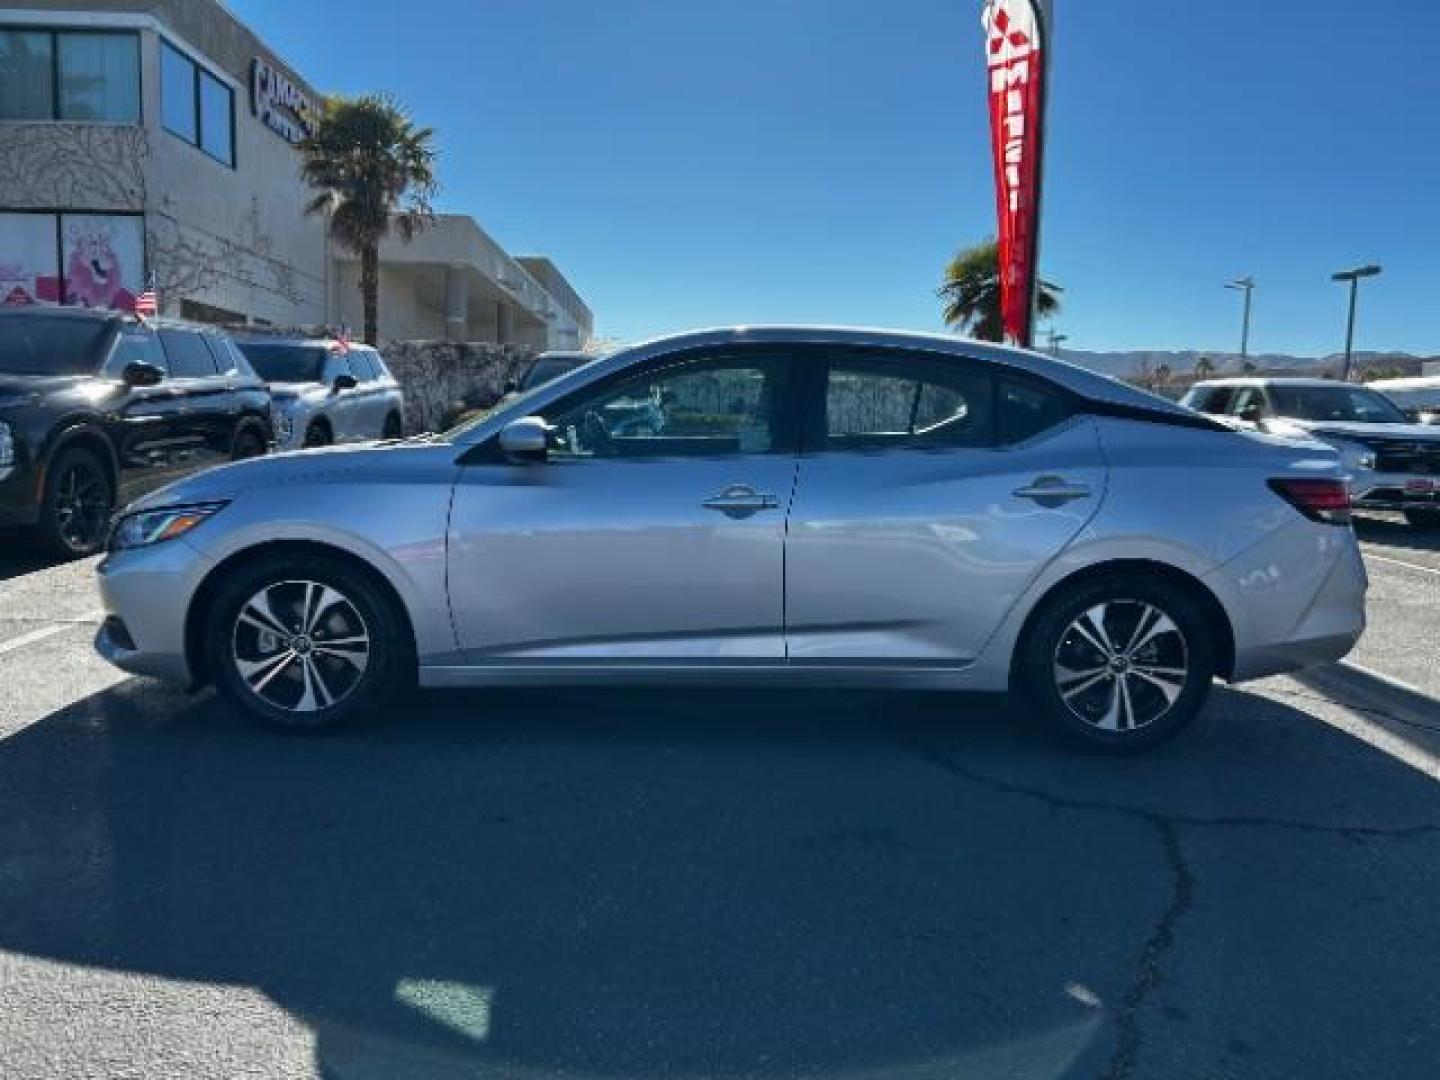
x,y
738,500
1052,491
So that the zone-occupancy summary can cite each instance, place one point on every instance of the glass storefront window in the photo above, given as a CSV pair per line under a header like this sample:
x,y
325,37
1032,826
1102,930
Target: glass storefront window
x,y
95,260
177,94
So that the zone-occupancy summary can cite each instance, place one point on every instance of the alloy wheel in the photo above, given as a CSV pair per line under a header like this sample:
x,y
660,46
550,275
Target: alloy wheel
x,y
82,506
1121,665
300,646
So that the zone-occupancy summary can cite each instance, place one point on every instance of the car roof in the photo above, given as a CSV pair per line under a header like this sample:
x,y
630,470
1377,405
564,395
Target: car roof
x,y
1419,382
313,342
65,311
1261,380
1081,380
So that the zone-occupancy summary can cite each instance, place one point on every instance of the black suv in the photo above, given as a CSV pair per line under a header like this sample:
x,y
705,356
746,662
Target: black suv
x,y
97,408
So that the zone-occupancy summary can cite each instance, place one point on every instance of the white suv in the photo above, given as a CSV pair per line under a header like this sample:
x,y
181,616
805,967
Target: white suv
x,y
327,392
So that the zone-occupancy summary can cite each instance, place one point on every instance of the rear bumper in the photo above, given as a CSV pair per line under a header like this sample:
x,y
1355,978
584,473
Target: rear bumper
x,y
1295,600
1395,491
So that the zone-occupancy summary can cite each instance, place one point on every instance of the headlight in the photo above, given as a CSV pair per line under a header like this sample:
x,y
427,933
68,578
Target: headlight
x,y
1354,455
156,526
7,450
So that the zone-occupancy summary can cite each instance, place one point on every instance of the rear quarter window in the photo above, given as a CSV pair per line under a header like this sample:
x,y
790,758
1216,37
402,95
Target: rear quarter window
x,y
1027,407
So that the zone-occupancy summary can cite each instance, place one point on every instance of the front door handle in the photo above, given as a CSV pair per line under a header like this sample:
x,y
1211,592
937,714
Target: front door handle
x,y
1052,491
739,500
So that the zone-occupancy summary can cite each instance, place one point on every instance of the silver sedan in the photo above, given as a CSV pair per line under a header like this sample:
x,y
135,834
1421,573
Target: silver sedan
x,y
813,506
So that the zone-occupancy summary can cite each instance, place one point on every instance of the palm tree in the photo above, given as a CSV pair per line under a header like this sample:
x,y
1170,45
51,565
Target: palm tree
x,y
1163,375
971,292
1204,368
374,169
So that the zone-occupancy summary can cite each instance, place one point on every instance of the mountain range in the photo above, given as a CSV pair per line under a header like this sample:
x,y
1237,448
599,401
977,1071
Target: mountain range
x,y
1182,362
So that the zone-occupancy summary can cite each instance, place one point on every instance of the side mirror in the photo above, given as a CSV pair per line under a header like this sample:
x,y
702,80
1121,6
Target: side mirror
x,y
525,441
344,381
139,373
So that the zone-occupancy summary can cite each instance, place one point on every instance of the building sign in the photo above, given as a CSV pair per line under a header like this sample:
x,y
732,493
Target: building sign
x,y
281,106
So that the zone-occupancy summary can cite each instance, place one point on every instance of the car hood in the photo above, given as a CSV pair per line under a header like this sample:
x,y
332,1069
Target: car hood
x,y
21,389
331,464
286,392
1349,430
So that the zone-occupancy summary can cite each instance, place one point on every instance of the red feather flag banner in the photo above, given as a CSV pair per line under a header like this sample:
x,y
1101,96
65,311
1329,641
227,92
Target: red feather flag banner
x,y
1015,44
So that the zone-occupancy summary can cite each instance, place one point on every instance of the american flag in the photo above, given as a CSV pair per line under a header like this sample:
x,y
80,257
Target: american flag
x,y
147,304
341,345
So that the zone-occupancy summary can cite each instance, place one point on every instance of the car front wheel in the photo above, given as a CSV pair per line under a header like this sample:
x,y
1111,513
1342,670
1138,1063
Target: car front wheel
x,y
77,504
301,643
1120,663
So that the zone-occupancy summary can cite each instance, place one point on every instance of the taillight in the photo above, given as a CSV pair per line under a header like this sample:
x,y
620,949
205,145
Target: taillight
x,y
1318,500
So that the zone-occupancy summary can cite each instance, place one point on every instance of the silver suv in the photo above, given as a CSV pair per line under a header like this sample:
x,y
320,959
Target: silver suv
x,y
327,391
1393,464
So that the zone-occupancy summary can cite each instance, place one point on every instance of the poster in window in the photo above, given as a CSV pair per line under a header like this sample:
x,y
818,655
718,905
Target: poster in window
x,y
28,270
104,259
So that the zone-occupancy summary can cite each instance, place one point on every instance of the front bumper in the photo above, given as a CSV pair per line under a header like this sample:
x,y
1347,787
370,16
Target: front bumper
x,y
145,594
1395,491
19,497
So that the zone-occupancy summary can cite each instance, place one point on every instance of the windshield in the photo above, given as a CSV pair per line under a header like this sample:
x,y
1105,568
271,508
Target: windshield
x,y
548,368
1346,404
51,344
285,363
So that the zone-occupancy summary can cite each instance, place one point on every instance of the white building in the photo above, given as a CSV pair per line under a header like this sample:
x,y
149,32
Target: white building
x,y
154,137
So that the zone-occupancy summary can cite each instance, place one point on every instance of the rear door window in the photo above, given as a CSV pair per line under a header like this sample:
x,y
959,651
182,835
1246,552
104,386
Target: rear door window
x,y
1028,407
189,355
886,401
220,353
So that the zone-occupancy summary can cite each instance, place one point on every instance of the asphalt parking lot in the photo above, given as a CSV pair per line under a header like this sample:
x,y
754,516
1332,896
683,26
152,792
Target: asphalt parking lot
x,y
627,884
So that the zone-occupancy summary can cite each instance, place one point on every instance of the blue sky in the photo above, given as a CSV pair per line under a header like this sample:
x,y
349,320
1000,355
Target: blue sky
x,y
693,163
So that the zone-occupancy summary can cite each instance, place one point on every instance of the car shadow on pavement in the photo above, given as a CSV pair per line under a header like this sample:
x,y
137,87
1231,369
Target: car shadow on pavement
x,y
1397,532
19,555
635,884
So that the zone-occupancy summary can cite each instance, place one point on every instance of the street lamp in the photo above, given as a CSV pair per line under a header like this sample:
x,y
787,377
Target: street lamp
x,y
1247,286
1056,340
1353,277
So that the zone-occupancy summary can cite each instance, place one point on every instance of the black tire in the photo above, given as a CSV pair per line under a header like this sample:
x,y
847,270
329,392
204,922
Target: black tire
x,y
76,507
317,434
250,442
1091,709
281,702
1423,519
393,427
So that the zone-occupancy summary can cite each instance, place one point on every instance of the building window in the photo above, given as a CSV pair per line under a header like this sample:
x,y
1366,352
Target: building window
x,y
94,260
196,106
70,75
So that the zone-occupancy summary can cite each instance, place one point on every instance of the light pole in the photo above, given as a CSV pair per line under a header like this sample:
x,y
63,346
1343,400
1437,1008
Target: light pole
x,y
1247,286
1056,340
1353,277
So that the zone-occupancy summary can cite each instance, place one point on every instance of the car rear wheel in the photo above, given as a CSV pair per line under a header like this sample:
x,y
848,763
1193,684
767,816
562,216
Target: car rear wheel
x,y
1120,663
77,504
249,443
304,644
393,428
1423,519
317,435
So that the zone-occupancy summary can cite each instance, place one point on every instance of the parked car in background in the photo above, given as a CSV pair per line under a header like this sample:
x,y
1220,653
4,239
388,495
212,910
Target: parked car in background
x,y
819,506
98,408
547,367
327,392
1418,398
1393,463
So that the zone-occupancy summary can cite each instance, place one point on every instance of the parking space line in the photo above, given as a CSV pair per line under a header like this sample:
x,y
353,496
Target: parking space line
x,y
32,637
1402,562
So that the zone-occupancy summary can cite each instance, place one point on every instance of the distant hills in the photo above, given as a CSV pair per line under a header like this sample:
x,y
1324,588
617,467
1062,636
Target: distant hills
x,y
1182,363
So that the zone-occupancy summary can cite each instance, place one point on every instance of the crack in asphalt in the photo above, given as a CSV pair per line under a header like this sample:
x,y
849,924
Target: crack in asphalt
x,y
1365,710
1149,972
